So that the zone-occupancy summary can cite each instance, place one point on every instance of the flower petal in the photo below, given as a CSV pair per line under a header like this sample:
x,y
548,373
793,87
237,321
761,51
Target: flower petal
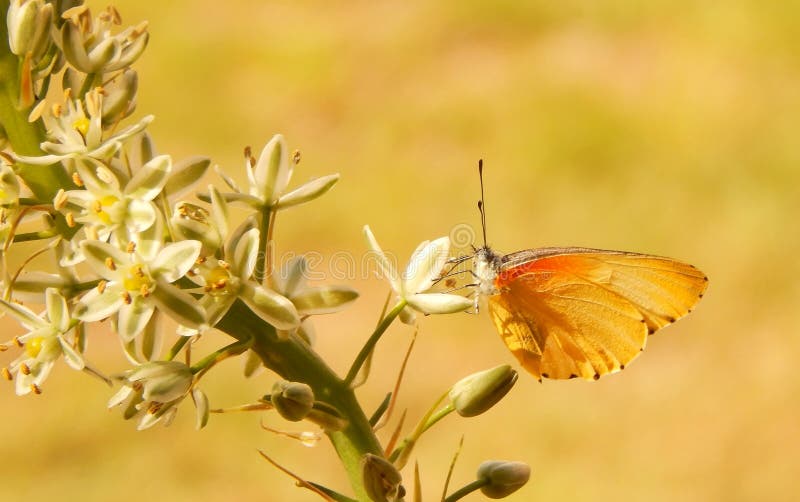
x,y
57,310
439,303
139,215
150,178
425,266
245,254
133,317
179,305
307,192
175,260
185,174
385,266
272,171
323,300
97,254
95,305
23,315
270,306
71,356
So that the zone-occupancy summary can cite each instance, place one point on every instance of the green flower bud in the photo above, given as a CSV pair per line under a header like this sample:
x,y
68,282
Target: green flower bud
x,y
292,400
381,479
480,391
29,27
503,477
162,381
9,186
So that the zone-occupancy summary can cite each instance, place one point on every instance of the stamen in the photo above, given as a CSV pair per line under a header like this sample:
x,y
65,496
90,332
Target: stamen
x,y
70,220
126,297
110,264
18,342
60,200
144,291
296,157
131,247
36,389
76,178
7,374
101,286
24,369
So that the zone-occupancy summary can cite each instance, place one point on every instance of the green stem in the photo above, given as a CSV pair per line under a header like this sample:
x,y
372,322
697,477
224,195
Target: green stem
x,y
176,347
466,490
293,359
263,241
368,347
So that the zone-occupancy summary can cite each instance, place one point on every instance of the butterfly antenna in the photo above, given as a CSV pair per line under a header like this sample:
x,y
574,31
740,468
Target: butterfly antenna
x,y
481,203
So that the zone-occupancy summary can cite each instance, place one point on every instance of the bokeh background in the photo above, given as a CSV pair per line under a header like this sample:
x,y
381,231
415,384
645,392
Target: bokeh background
x,y
667,127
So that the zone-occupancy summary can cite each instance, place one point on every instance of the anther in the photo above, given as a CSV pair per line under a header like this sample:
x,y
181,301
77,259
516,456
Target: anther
x,y
77,179
36,389
60,199
7,374
101,286
70,218
18,342
126,297
110,263
131,247
296,157
144,291
24,369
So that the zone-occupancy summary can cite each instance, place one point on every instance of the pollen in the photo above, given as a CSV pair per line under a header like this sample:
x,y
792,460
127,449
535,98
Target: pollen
x,y
82,126
7,374
70,220
296,157
131,247
36,389
144,291
60,199
101,286
24,369
110,264
3,347
18,342
77,179
126,297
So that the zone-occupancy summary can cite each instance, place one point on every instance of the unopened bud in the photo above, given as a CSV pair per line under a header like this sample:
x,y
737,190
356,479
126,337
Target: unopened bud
x,y
503,477
119,99
480,391
292,400
381,479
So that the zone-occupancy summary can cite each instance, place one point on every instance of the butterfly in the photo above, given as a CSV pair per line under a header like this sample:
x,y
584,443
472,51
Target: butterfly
x,y
579,312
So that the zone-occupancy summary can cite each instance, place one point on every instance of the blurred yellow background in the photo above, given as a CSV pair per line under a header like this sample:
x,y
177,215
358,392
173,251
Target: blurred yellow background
x,y
661,127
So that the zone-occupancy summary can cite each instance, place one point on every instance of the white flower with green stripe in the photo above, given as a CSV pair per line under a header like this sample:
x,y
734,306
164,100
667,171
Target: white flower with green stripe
x,y
49,336
137,281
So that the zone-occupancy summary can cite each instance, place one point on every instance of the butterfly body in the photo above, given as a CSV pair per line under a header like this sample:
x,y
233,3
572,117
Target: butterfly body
x,y
582,312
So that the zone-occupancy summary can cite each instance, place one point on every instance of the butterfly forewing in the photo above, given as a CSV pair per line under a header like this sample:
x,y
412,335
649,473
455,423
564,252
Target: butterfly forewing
x,y
577,312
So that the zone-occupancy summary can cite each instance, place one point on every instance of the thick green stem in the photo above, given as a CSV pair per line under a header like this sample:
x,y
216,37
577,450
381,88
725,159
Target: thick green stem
x,y
24,137
293,359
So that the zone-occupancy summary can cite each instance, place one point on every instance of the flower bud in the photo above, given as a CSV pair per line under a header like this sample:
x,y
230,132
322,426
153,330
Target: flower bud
x,y
29,27
381,479
119,99
292,400
503,477
9,186
480,391
162,381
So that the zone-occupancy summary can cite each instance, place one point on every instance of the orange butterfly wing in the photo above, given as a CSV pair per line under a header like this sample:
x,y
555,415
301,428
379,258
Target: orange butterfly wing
x,y
577,312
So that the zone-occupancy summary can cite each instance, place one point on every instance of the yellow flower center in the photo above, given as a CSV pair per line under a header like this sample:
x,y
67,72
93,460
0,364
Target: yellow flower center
x,y
33,346
82,126
137,280
100,204
217,280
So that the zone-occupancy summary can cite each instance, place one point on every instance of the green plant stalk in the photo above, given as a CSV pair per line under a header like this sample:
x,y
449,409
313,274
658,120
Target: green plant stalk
x,y
292,359
24,136
466,490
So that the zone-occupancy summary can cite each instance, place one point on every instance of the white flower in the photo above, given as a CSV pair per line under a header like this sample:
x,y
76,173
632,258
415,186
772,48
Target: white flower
x,y
225,280
269,176
154,390
106,206
137,282
44,343
73,134
421,273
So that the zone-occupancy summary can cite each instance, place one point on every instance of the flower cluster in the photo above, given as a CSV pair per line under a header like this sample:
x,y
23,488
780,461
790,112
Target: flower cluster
x,y
134,244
